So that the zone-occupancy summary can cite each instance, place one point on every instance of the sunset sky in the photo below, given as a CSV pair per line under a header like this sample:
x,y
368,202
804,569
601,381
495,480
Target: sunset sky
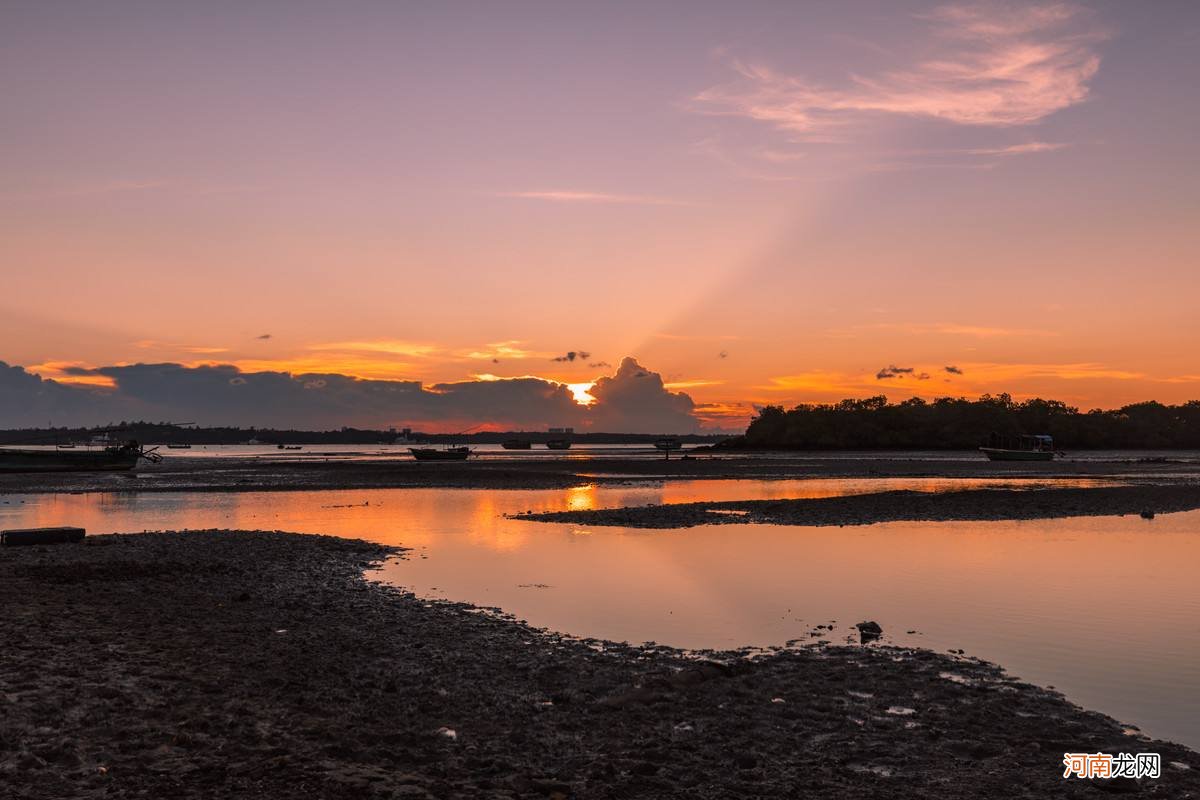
x,y
759,202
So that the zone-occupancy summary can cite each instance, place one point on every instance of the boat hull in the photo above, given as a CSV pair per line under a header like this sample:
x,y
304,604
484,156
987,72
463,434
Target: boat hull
x,y
558,444
517,444
1001,454
75,461
429,454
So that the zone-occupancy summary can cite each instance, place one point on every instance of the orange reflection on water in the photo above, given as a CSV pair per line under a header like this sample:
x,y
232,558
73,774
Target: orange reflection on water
x,y
1103,607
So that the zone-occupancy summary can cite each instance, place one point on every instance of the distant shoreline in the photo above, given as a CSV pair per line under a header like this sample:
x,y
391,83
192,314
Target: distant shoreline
x,y
214,474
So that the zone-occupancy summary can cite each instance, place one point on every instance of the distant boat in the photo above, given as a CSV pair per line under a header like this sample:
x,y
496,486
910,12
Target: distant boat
x,y
179,447
558,444
444,454
67,446
516,444
1001,447
668,443
290,446
115,458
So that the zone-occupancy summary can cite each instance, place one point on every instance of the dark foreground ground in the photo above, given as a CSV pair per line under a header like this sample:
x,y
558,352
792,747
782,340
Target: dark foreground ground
x,y
899,506
196,474
261,665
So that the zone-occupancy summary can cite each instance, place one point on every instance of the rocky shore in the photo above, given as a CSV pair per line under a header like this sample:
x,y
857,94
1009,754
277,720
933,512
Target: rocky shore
x,y
262,665
898,506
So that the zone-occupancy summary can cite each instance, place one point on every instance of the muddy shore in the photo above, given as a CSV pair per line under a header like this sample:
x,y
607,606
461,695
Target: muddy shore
x,y
898,506
262,665
196,474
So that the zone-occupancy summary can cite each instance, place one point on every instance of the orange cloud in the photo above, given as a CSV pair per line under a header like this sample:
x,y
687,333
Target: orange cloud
x,y
71,372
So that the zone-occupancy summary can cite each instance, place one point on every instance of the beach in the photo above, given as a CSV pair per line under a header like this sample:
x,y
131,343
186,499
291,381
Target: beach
x,y
261,664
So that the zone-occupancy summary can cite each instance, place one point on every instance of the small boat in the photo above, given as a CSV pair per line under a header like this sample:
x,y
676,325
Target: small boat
x,y
179,447
65,446
668,443
444,454
516,444
114,458
290,446
1019,448
558,444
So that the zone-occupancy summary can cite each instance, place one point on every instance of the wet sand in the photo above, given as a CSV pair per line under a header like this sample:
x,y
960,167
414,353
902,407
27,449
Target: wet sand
x,y
262,665
196,474
898,506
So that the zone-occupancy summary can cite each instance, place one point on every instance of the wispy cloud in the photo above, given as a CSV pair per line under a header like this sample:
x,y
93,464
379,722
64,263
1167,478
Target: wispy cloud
x,y
389,346
561,196
936,329
194,349
993,65
1019,149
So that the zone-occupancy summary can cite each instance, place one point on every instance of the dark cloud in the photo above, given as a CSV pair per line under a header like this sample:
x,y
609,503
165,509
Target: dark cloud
x,y
924,376
573,355
264,337
600,364
892,372
723,354
953,370
633,399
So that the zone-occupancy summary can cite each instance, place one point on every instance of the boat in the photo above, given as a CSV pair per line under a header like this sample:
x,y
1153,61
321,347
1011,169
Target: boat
x,y
113,458
558,444
668,443
443,454
290,446
65,446
516,444
179,447
1003,447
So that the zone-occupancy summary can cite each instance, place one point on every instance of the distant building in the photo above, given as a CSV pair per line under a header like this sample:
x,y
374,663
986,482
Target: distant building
x,y
562,430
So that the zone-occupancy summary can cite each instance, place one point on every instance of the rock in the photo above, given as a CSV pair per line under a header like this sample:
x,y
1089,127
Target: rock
x,y
869,631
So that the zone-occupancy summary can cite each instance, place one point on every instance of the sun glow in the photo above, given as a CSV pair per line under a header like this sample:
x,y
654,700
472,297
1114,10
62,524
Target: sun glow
x,y
580,390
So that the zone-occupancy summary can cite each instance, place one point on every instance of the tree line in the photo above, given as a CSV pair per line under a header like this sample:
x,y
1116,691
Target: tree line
x,y
957,423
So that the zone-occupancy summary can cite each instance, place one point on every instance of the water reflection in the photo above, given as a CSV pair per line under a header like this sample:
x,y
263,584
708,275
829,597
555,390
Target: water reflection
x,y
1106,609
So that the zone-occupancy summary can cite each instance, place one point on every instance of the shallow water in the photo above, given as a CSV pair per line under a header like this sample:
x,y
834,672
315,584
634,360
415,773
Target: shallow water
x,y
1107,609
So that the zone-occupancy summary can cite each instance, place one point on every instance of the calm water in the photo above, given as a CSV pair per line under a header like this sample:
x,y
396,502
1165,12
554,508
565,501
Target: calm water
x,y
1106,609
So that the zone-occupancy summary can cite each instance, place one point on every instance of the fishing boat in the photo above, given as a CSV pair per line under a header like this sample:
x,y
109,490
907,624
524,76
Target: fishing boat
x,y
668,443
1003,447
516,444
443,454
113,458
290,446
558,444
179,447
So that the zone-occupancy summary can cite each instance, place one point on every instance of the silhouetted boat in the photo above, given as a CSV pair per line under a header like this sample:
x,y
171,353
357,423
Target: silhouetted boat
x,y
444,454
179,446
516,444
668,443
558,444
65,446
290,446
1002,447
114,458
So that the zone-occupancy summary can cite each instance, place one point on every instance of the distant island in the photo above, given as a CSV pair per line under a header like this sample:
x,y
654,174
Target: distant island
x,y
950,423
169,433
